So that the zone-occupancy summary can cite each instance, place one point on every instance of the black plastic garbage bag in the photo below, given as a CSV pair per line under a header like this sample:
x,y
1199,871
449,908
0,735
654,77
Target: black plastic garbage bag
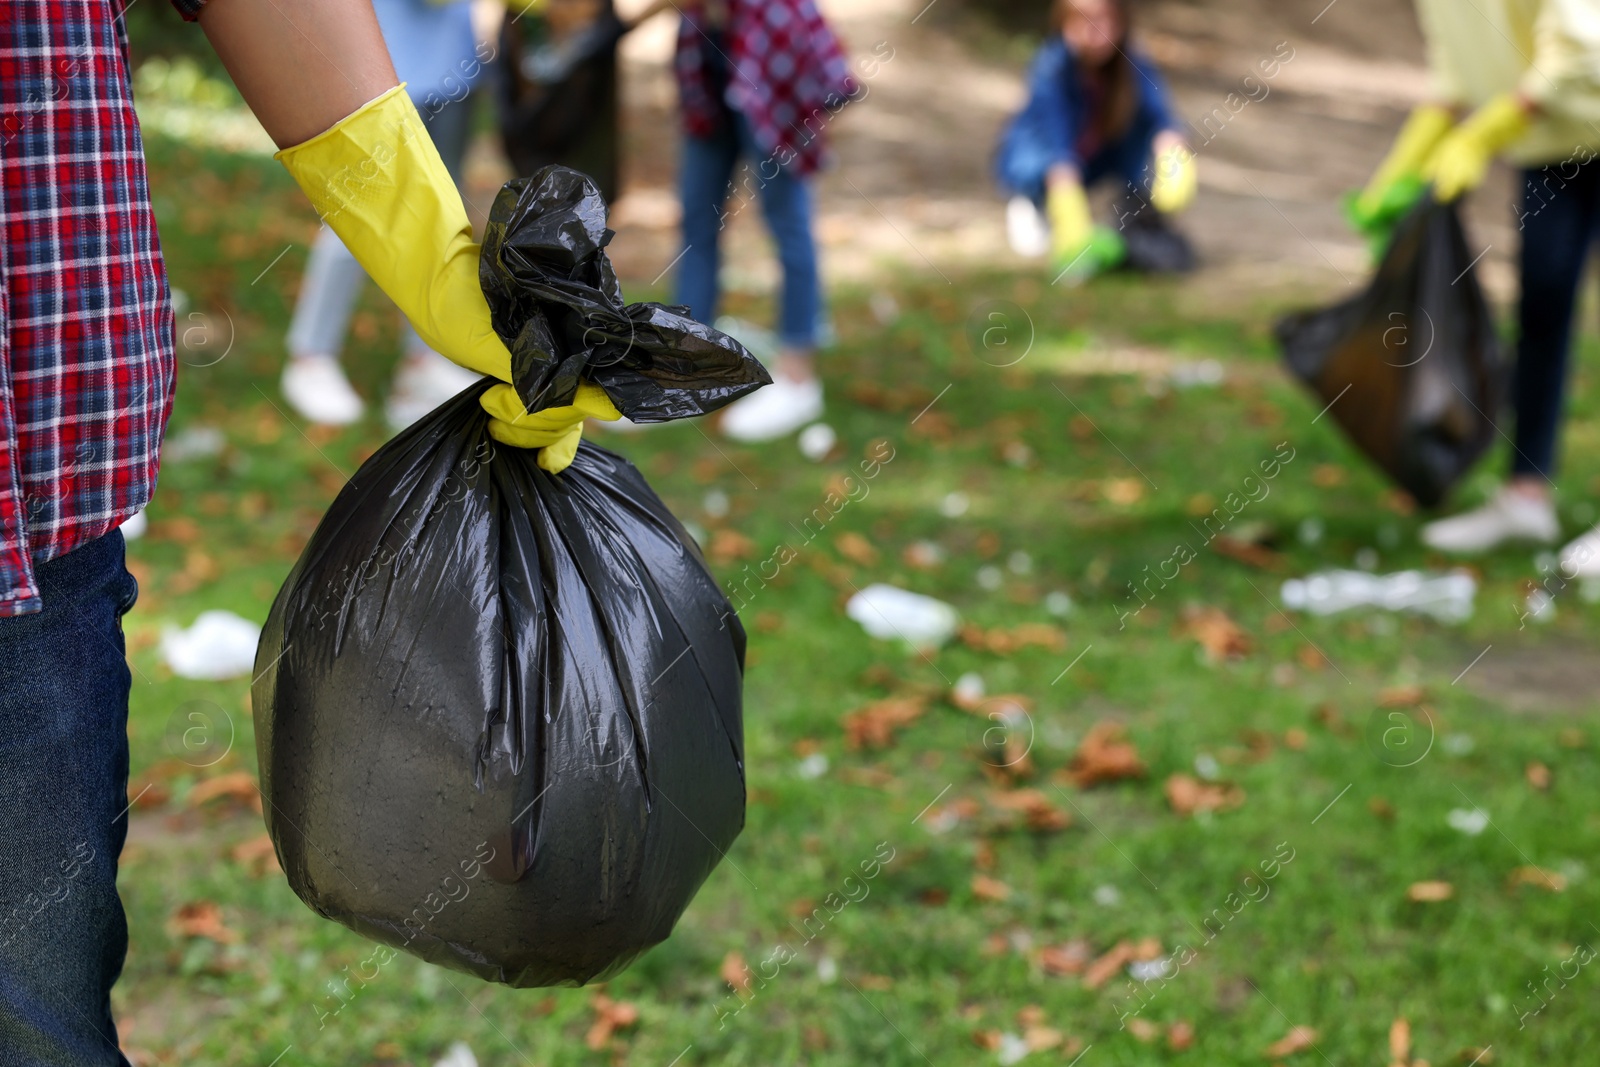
x,y
498,711
1411,368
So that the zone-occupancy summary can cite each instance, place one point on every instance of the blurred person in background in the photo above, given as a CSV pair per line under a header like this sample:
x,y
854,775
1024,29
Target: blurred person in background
x,y
1097,109
557,91
759,81
435,55
87,362
1519,79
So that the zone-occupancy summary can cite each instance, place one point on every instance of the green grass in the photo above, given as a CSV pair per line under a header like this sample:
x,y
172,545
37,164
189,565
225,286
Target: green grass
x,y
920,963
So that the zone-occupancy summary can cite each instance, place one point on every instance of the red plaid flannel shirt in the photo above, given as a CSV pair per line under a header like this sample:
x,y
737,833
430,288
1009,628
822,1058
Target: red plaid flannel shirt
x,y
787,75
86,331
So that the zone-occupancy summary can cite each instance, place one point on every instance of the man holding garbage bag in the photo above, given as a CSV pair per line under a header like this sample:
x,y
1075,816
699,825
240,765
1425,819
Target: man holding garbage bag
x,y
1518,78
86,378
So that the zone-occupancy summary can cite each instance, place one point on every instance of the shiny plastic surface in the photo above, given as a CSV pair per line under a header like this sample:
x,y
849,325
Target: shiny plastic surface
x,y
498,711
1411,368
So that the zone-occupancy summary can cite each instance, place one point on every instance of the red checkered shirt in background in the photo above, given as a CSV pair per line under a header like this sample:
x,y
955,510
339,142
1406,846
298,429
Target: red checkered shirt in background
x,y
86,331
787,75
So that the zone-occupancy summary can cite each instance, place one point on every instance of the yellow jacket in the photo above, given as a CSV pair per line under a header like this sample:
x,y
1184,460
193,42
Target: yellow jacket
x,y
1548,50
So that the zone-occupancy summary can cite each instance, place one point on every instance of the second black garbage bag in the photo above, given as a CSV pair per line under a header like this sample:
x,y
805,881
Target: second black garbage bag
x,y
498,711
1411,368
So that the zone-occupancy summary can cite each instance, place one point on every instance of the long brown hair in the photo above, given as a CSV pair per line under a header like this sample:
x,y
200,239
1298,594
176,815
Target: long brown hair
x,y
1119,76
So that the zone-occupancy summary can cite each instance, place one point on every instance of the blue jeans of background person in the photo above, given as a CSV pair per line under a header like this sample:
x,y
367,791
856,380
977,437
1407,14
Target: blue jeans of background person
x,y
63,812
704,184
1560,214
1024,160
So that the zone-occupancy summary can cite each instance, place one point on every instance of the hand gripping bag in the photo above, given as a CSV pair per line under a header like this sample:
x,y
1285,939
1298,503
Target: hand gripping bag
x,y
1411,368
498,711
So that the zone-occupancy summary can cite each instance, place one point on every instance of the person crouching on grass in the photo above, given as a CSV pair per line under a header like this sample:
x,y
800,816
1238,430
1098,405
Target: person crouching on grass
x,y
1097,109
86,381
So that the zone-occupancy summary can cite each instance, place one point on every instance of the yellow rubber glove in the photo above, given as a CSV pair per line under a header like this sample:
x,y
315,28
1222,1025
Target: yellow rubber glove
x,y
378,182
1423,130
1462,159
554,431
1176,182
1071,225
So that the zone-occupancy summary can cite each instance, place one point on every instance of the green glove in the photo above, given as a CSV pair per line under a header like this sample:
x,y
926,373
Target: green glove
x,y
1401,170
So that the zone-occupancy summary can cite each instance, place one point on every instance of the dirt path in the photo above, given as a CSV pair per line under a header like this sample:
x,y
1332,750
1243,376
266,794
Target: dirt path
x,y
912,191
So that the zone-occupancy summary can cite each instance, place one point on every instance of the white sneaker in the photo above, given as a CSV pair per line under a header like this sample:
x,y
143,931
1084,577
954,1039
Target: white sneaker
x,y
315,386
775,411
1508,516
1026,228
1581,559
422,383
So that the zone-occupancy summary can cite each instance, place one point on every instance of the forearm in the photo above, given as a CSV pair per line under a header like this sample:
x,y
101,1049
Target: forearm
x,y
301,65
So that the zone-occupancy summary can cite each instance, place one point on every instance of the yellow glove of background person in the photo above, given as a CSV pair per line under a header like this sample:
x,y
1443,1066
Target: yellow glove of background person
x,y
1462,159
377,181
1176,180
1413,147
1070,222
554,431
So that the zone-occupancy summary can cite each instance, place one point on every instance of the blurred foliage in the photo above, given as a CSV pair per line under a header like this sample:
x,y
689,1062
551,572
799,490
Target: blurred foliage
x,y
155,29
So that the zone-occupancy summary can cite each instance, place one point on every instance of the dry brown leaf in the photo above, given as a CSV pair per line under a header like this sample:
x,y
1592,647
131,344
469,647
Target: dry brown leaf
x,y
1041,815
609,1017
1327,475
1124,492
1143,1030
735,973
1298,1039
986,888
1189,795
1030,1015
1430,892
881,983
729,546
1400,1040
1296,739
923,556
201,918
1104,755
1538,775
1180,1035
1219,635
988,1040
874,726
1070,957
1538,877
1247,552
1007,642
237,786
1311,658
256,856
1401,696
855,548
1109,965
144,793
1042,1038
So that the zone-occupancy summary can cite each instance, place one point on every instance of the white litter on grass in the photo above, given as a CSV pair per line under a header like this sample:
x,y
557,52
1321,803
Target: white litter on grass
x,y
220,645
1445,597
817,440
1058,603
1107,896
1458,744
716,504
1311,531
193,442
812,767
1207,767
1013,1049
1205,372
1471,822
954,505
1150,970
888,613
969,689
458,1055
135,526
1020,562
827,970
990,577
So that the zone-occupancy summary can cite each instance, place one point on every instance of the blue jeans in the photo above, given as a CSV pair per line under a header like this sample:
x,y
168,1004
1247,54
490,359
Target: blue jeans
x,y
1025,161
63,812
706,179
1560,215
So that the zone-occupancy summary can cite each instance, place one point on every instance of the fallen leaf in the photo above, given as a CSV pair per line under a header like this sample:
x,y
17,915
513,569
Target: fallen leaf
x,y
1070,957
1554,881
1251,555
877,982
1123,492
1041,815
201,918
988,1040
1295,738
1538,775
256,856
1007,642
1327,475
1298,1039
1189,795
1109,965
735,973
986,888
855,548
1219,635
1430,892
1401,696
1143,1030
1180,1035
874,726
1104,755
238,786
609,1017
729,546
923,555
1311,658
1041,1038
1400,1040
